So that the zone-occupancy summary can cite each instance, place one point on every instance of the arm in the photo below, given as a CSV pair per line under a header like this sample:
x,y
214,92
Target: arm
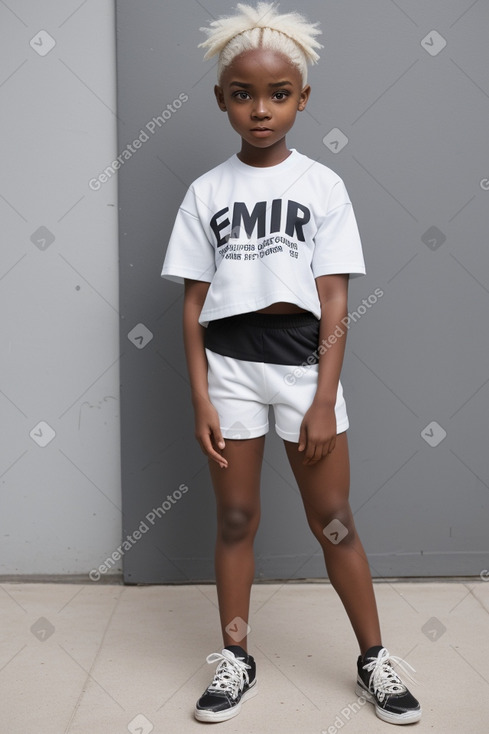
x,y
318,430
207,428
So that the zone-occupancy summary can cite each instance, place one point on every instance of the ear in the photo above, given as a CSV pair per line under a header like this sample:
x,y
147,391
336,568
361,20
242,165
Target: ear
x,y
304,97
218,91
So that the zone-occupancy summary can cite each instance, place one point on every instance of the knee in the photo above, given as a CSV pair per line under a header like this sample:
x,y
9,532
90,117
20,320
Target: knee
x,y
335,528
237,524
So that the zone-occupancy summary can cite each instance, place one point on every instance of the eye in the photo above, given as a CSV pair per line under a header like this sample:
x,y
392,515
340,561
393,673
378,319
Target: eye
x,y
280,96
241,95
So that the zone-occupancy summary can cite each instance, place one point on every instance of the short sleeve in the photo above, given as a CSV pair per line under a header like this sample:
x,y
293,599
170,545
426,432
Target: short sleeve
x,y
190,253
338,248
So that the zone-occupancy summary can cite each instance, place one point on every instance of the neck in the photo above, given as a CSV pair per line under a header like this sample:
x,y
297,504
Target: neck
x,y
263,157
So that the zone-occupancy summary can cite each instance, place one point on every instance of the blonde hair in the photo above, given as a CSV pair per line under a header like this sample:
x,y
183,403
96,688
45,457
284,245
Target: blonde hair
x,y
262,27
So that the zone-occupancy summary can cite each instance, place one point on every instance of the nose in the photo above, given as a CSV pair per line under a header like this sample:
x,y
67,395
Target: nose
x,y
260,109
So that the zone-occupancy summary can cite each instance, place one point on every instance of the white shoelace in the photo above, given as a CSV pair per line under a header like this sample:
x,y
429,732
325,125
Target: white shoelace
x,y
231,673
384,680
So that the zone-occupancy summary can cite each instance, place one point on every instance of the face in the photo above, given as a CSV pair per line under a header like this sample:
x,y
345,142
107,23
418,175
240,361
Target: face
x,y
261,91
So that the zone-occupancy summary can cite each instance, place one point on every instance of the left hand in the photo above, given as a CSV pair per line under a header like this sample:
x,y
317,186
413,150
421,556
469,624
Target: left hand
x,y
317,436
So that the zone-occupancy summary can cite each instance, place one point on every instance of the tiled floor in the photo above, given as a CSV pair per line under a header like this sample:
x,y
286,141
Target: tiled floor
x,y
89,659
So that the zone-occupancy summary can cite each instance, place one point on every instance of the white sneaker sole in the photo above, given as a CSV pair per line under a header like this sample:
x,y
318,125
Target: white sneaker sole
x,y
410,717
215,717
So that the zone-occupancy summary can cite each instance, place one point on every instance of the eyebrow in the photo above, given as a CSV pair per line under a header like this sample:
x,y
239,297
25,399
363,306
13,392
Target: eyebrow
x,y
248,86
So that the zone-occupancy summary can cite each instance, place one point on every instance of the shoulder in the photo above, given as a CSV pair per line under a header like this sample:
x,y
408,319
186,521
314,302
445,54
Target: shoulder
x,y
212,175
202,190
324,183
319,170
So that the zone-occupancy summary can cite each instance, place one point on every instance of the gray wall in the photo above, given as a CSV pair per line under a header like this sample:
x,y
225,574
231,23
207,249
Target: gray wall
x,y
415,115
414,159
59,365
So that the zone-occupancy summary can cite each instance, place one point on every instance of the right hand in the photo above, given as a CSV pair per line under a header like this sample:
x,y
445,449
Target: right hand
x,y
208,432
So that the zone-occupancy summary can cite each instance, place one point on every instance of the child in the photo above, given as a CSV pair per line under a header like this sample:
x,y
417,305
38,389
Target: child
x,y
265,243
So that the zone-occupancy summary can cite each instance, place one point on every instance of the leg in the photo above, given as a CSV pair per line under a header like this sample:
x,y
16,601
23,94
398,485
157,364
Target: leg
x,y
324,487
237,491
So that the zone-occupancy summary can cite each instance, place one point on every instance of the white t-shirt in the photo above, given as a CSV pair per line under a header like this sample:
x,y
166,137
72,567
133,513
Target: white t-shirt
x,y
262,235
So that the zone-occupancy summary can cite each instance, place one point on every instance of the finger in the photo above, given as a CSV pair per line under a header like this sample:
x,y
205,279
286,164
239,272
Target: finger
x,y
218,458
218,445
218,438
322,450
209,450
313,453
215,456
302,438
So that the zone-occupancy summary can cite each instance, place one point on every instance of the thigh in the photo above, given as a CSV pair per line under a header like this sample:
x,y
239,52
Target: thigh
x,y
293,390
325,485
236,391
238,486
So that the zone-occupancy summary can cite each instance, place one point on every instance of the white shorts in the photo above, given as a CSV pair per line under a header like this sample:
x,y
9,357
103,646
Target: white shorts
x,y
242,389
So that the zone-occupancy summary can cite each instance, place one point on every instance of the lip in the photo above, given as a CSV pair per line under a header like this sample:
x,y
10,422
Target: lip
x,y
261,132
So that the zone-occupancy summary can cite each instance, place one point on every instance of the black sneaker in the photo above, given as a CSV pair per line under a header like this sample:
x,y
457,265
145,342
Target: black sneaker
x,y
379,684
234,682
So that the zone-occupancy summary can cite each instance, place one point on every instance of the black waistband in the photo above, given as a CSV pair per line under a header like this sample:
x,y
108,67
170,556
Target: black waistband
x,y
263,337
270,320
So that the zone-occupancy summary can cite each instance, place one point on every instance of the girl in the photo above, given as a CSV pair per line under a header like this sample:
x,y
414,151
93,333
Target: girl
x,y
265,243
